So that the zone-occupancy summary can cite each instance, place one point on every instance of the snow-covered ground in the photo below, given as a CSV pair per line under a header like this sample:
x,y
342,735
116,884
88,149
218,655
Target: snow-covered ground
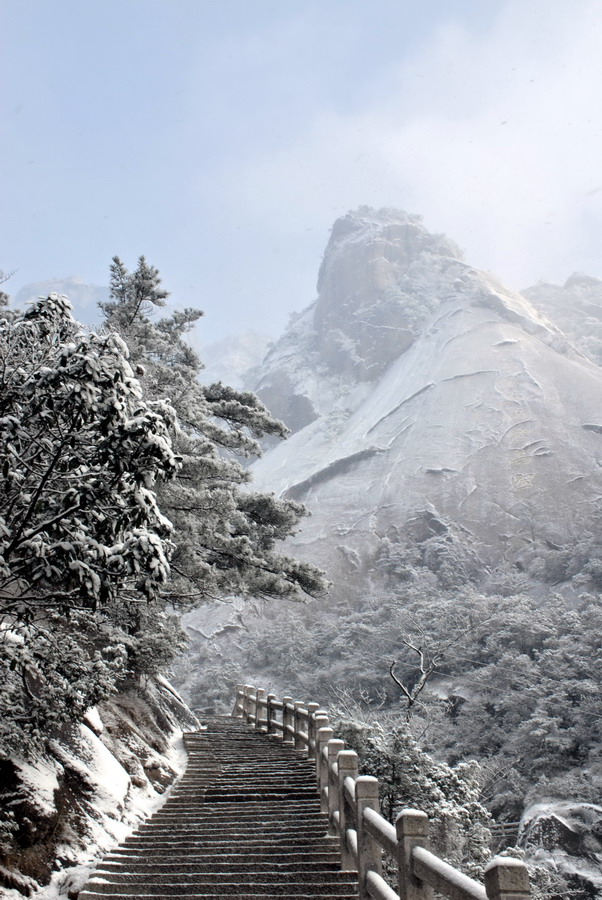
x,y
99,780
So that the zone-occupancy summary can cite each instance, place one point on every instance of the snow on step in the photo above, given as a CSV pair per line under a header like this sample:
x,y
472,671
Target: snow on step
x,y
243,823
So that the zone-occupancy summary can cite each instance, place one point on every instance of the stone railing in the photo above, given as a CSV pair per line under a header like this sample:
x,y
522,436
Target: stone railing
x,y
351,802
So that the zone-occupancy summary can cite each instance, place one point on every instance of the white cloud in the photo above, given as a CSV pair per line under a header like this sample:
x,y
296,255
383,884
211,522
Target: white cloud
x,y
494,137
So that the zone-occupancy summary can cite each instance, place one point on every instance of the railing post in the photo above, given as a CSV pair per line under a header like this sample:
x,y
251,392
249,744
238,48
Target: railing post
x,y
246,703
238,702
320,721
507,879
259,720
324,736
312,708
297,721
286,719
334,748
269,713
347,763
412,827
253,706
370,855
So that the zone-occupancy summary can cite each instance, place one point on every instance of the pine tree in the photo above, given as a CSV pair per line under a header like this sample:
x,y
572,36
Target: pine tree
x,y
226,535
83,542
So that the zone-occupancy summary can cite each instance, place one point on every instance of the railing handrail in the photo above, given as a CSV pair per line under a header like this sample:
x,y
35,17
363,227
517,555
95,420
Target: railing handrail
x,y
351,802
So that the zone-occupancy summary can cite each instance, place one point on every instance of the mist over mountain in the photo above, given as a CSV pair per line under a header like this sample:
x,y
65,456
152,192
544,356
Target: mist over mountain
x,y
576,307
426,399
230,359
83,296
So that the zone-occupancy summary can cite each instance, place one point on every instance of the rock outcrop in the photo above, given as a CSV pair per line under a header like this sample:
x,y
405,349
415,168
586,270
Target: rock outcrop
x,y
570,834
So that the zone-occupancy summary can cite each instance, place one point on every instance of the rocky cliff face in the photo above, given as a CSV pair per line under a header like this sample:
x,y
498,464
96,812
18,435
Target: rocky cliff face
x,y
427,399
369,310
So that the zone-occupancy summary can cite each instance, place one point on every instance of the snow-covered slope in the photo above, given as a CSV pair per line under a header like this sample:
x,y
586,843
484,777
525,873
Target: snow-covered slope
x,y
576,307
423,394
99,778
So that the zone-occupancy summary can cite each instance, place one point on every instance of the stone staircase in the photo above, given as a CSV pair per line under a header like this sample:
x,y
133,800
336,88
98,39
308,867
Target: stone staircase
x,y
243,822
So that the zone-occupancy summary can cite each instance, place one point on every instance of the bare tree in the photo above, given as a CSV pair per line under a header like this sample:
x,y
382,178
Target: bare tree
x,y
426,667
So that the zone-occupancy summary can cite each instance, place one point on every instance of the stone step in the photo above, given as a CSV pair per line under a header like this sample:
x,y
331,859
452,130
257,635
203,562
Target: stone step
x,y
244,895
240,823
282,888
253,830
272,842
275,865
233,823
248,810
234,838
223,856
281,839
309,803
254,796
257,783
250,778
217,878
247,820
276,843
268,763
221,763
243,811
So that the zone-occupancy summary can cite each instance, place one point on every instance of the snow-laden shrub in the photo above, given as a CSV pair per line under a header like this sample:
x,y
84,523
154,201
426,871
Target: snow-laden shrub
x,y
409,777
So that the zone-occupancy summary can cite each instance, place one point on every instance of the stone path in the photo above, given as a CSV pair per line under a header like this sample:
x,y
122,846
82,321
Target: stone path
x,y
243,822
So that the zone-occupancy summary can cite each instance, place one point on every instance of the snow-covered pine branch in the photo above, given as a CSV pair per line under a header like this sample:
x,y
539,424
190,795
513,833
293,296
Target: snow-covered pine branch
x,y
225,535
81,532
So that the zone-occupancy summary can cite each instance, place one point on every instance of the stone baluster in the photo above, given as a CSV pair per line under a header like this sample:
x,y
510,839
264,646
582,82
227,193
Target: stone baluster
x,y
507,879
324,736
334,748
260,721
312,709
412,829
369,851
347,763
287,719
298,720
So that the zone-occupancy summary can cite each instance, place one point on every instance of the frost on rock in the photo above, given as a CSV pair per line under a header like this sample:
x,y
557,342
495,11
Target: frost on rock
x,y
567,836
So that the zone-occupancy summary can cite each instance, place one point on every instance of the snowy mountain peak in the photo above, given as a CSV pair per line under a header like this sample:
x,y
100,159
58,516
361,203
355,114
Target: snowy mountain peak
x,y
422,390
389,238
383,282
366,312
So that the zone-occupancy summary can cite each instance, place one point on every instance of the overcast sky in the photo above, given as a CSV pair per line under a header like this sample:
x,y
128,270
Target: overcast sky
x,y
221,138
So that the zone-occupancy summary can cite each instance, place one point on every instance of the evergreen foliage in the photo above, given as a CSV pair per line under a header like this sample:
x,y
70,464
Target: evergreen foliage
x,y
92,472
83,544
225,534
408,777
